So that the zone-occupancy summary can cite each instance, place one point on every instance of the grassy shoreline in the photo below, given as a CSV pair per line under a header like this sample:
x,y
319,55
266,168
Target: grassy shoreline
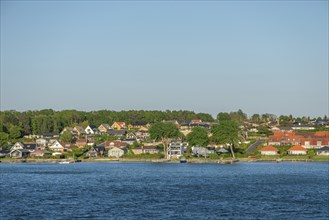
x,y
192,160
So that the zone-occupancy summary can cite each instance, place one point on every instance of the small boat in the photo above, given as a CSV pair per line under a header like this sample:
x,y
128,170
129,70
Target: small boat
x,y
65,162
183,160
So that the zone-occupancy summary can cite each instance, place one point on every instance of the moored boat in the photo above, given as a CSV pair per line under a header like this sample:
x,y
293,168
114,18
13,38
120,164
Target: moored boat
x,y
183,160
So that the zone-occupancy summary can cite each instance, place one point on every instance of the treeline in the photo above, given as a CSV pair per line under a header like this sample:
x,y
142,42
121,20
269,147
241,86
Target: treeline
x,y
15,124
48,120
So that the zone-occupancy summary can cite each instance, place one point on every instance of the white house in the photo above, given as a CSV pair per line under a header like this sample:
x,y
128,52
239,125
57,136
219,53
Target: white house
x,y
116,152
297,150
91,129
269,151
31,146
324,151
56,146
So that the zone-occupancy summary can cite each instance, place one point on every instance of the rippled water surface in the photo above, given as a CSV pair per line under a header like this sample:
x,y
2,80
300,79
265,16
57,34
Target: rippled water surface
x,y
165,191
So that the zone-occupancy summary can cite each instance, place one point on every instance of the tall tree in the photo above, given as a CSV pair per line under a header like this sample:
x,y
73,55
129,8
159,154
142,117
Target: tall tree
x,y
238,116
255,118
223,116
198,137
164,132
15,132
66,136
3,138
226,132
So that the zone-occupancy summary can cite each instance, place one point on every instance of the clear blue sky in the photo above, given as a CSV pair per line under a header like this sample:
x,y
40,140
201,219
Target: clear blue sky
x,y
214,56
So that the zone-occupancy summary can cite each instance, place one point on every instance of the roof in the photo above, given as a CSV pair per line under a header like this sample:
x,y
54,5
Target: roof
x,y
269,148
99,148
22,150
150,147
120,123
326,148
93,127
297,148
116,132
106,126
223,150
29,145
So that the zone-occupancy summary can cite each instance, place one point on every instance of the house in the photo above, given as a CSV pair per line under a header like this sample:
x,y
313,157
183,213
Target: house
x,y
56,146
80,131
176,149
103,128
132,136
67,146
91,142
269,151
42,142
137,150
96,151
19,153
196,121
91,129
201,151
183,124
114,132
302,127
150,149
324,151
138,136
118,125
71,130
144,129
81,143
135,125
116,152
222,151
297,150
39,153
31,146
111,144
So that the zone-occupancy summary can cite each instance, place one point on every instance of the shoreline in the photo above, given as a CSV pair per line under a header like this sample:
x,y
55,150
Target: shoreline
x,y
195,161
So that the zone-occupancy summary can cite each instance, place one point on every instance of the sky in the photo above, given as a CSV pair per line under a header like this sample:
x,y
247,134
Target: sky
x,y
203,56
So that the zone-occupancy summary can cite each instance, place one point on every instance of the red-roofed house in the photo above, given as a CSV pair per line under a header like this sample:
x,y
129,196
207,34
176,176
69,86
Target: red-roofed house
x,y
110,144
297,150
196,121
269,150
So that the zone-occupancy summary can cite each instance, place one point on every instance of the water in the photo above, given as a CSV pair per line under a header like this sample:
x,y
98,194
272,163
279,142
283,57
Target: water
x,y
165,191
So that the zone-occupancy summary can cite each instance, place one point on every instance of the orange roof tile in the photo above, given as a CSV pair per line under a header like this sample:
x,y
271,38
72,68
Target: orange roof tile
x,y
297,148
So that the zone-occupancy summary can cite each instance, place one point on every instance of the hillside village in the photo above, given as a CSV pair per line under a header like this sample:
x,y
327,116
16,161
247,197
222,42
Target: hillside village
x,y
133,140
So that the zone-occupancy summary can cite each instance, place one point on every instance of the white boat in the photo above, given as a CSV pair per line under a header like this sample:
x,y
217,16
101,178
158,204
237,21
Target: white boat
x,y
64,162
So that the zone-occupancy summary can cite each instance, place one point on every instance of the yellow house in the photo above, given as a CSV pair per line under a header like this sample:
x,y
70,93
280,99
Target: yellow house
x,y
118,125
79,130
103,128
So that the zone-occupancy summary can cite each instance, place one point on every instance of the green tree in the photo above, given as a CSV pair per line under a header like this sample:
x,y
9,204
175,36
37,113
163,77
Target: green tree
x,y
15,132
255,118
3,138
198,137
223,116
238,116
164,132
66,136
226,132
